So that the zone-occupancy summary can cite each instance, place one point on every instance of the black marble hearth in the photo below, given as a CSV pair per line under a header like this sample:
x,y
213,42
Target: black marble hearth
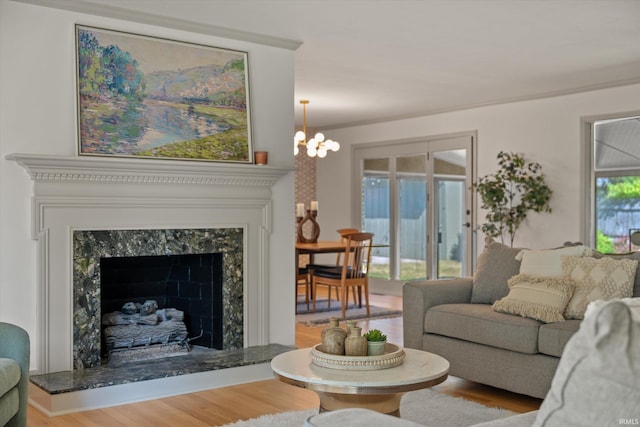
x,y
200,359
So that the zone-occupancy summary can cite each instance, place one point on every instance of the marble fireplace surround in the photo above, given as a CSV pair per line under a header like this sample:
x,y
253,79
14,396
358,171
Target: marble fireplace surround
x,y
90,246
73,193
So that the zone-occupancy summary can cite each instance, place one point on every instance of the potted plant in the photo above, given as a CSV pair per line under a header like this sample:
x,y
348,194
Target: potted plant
x,y
376,341
510,194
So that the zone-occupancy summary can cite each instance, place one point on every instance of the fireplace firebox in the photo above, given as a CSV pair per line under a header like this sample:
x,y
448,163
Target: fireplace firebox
x,y
190,284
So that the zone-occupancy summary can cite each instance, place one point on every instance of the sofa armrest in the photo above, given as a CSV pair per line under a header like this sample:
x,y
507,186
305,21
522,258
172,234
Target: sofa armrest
x,y
418,297
14,344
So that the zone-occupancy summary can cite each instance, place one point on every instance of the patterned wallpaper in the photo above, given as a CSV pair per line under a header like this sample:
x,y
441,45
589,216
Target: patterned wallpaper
x,y
305,179
305,188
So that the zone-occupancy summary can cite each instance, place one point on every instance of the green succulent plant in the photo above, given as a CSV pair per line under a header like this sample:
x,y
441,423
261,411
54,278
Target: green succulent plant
x,y
375,335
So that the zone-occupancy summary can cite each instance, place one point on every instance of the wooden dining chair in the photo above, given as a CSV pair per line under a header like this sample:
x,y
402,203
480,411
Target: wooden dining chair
x,y
343,232
353,273
302,279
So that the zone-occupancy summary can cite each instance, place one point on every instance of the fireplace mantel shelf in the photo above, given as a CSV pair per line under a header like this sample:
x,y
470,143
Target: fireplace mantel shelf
x,y
57,168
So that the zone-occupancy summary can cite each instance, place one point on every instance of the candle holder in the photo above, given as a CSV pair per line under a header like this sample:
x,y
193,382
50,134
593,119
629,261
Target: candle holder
x,y
315,228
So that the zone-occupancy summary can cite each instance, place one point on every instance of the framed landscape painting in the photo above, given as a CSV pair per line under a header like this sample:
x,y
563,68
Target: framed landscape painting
x,y
141,96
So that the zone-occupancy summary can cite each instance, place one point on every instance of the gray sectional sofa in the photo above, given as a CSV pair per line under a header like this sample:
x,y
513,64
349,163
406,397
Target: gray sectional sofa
x,y
597,382
455,319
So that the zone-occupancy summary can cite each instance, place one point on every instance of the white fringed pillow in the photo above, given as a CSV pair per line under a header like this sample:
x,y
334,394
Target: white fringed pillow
x,y
597,279
540,298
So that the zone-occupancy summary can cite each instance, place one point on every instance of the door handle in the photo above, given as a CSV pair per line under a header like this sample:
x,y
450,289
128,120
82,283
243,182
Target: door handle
x,y
466,224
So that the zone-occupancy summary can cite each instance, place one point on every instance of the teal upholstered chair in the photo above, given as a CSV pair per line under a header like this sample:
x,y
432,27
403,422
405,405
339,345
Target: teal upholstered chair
x,y
14,375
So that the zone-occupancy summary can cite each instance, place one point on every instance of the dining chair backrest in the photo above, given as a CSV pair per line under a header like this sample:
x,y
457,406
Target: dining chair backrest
x,y
357,255
352,274
343,232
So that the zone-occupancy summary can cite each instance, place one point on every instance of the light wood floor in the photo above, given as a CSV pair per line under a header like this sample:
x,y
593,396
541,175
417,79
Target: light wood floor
x,y
224,405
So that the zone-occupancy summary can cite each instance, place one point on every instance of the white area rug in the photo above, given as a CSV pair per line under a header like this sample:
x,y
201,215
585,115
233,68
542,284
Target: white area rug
x,y
427,407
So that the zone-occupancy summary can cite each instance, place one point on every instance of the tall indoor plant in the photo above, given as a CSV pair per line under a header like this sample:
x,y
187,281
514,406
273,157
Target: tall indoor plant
x,y
517,188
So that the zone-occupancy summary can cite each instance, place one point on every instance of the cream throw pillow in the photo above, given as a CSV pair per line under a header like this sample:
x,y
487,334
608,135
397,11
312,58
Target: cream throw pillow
x,y
548,262
597,279
540,298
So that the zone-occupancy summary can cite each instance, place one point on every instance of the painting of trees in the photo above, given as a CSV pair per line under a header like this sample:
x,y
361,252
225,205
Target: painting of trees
x,y
148,97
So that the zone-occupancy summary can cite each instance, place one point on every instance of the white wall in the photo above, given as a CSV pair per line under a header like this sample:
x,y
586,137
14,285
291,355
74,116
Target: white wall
x,y
37,115
546,130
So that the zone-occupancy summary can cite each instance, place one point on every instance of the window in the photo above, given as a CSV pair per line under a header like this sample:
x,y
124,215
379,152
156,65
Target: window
x,y
615,183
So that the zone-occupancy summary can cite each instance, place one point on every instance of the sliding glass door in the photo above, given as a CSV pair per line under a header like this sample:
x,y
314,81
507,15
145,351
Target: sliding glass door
x,y
452,214
415,197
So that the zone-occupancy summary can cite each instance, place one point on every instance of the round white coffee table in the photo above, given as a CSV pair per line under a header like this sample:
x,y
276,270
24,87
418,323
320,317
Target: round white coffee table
x,y
379,390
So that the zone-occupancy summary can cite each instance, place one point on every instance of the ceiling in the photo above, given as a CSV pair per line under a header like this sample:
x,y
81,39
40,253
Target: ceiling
x,y
363,61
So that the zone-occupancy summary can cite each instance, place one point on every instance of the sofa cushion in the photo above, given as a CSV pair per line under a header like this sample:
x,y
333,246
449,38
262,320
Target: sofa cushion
x,y
540,298
9,374
632,255
597,382
9,405
553,337
548,262
597,279
479,323
496,265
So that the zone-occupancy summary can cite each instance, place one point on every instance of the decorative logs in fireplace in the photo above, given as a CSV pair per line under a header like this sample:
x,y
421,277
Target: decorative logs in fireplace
x,y
142,331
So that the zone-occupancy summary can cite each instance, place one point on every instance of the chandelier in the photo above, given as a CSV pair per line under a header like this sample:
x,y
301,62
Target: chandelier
x,y
316,146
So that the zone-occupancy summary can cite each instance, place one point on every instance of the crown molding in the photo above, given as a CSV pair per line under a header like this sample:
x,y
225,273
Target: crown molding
x,y
115,12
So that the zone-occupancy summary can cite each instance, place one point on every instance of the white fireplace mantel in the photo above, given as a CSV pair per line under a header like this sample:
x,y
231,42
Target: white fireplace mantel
x,y
101,193
56,168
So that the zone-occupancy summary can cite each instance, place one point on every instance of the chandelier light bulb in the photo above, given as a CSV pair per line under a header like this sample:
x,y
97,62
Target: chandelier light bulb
x,y
316,146
331,145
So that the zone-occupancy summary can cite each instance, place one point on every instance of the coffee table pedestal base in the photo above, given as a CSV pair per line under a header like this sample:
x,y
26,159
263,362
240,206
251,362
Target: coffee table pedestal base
x,y
385,403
